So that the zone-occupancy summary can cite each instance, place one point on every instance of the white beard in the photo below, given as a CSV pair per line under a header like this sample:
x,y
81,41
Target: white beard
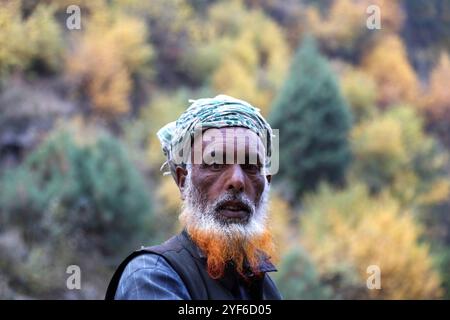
x,y
202,216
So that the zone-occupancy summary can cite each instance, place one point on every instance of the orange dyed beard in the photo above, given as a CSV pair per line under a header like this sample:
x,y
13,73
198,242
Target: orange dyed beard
x,y
244,244
220,248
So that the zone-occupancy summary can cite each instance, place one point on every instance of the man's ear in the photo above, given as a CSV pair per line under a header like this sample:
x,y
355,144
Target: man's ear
x,y
269,178
181,174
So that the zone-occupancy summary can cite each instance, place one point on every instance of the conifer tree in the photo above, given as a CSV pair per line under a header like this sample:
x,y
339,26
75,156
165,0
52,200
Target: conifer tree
x,y
314,121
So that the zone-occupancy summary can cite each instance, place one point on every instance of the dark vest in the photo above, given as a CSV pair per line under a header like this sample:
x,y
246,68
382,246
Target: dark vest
x,y
186,259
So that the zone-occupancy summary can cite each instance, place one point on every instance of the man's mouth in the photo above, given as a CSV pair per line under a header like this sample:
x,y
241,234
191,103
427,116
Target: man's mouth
x,y
234,210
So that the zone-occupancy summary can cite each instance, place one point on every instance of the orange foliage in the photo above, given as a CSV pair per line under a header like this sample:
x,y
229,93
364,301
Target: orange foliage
x,y
111,49
388,64
438,100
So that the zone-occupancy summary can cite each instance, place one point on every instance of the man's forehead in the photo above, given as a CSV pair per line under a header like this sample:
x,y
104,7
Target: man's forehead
x,y
229,140
230,134
237,137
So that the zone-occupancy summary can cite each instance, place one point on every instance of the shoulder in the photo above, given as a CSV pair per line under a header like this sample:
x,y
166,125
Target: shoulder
x,y
149,276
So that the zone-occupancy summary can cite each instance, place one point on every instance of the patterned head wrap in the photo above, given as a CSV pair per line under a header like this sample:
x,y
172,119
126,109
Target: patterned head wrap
x,y
218,112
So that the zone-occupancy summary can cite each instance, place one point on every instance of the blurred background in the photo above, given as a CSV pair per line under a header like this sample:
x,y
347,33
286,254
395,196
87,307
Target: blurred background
x,y
364,120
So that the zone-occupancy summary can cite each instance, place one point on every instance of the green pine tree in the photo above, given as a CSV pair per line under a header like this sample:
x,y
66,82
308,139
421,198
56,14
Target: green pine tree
x,y
314,121
67,190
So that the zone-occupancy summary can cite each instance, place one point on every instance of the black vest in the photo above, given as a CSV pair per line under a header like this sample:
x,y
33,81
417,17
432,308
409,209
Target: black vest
x,y
186,259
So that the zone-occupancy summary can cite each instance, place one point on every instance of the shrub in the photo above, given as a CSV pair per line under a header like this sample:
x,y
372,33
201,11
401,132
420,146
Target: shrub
x,y
297,278
90,194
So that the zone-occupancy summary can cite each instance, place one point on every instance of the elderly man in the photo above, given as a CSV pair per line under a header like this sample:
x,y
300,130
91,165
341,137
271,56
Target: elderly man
x,y
217,153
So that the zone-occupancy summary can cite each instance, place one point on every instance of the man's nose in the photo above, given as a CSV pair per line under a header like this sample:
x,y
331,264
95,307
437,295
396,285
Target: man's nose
x,y
236,179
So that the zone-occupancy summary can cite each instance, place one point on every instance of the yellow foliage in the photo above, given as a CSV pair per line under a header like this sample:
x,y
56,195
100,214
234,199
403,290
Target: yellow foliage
x,y
233,79
392,151
437,104
348,228
112,48
392,14
12,37
169,205
390,240
438,193
86,6
279,223
360,91
44,36
343,25
380,139
22,41
388,64
169,197
247,53
163,109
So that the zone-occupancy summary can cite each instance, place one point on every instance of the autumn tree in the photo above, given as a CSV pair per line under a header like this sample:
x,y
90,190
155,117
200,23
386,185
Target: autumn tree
x,y
393,152
280,223
346,231
243,54
437,101
29,42
109,52
360,90
342,29
388,64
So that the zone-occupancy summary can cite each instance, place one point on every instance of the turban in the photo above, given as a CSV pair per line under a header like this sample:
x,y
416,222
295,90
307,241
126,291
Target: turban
x,y
218,112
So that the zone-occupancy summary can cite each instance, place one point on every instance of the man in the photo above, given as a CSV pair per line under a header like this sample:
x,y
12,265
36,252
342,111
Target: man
x,y
217,153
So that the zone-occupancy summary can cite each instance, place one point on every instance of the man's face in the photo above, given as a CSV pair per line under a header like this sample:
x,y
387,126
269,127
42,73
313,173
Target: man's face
x,y
228,186
225,199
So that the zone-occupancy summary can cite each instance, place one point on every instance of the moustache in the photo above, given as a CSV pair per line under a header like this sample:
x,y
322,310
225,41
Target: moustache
x,y
235,203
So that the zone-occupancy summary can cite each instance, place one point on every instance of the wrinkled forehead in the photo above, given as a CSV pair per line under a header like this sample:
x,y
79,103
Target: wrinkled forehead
x,y
233,144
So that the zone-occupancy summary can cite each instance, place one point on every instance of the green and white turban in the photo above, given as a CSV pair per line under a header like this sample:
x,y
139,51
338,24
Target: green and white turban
x,y
218,112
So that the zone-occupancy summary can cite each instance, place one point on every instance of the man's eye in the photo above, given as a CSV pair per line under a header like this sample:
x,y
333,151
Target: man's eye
x,y
252,168
213,166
